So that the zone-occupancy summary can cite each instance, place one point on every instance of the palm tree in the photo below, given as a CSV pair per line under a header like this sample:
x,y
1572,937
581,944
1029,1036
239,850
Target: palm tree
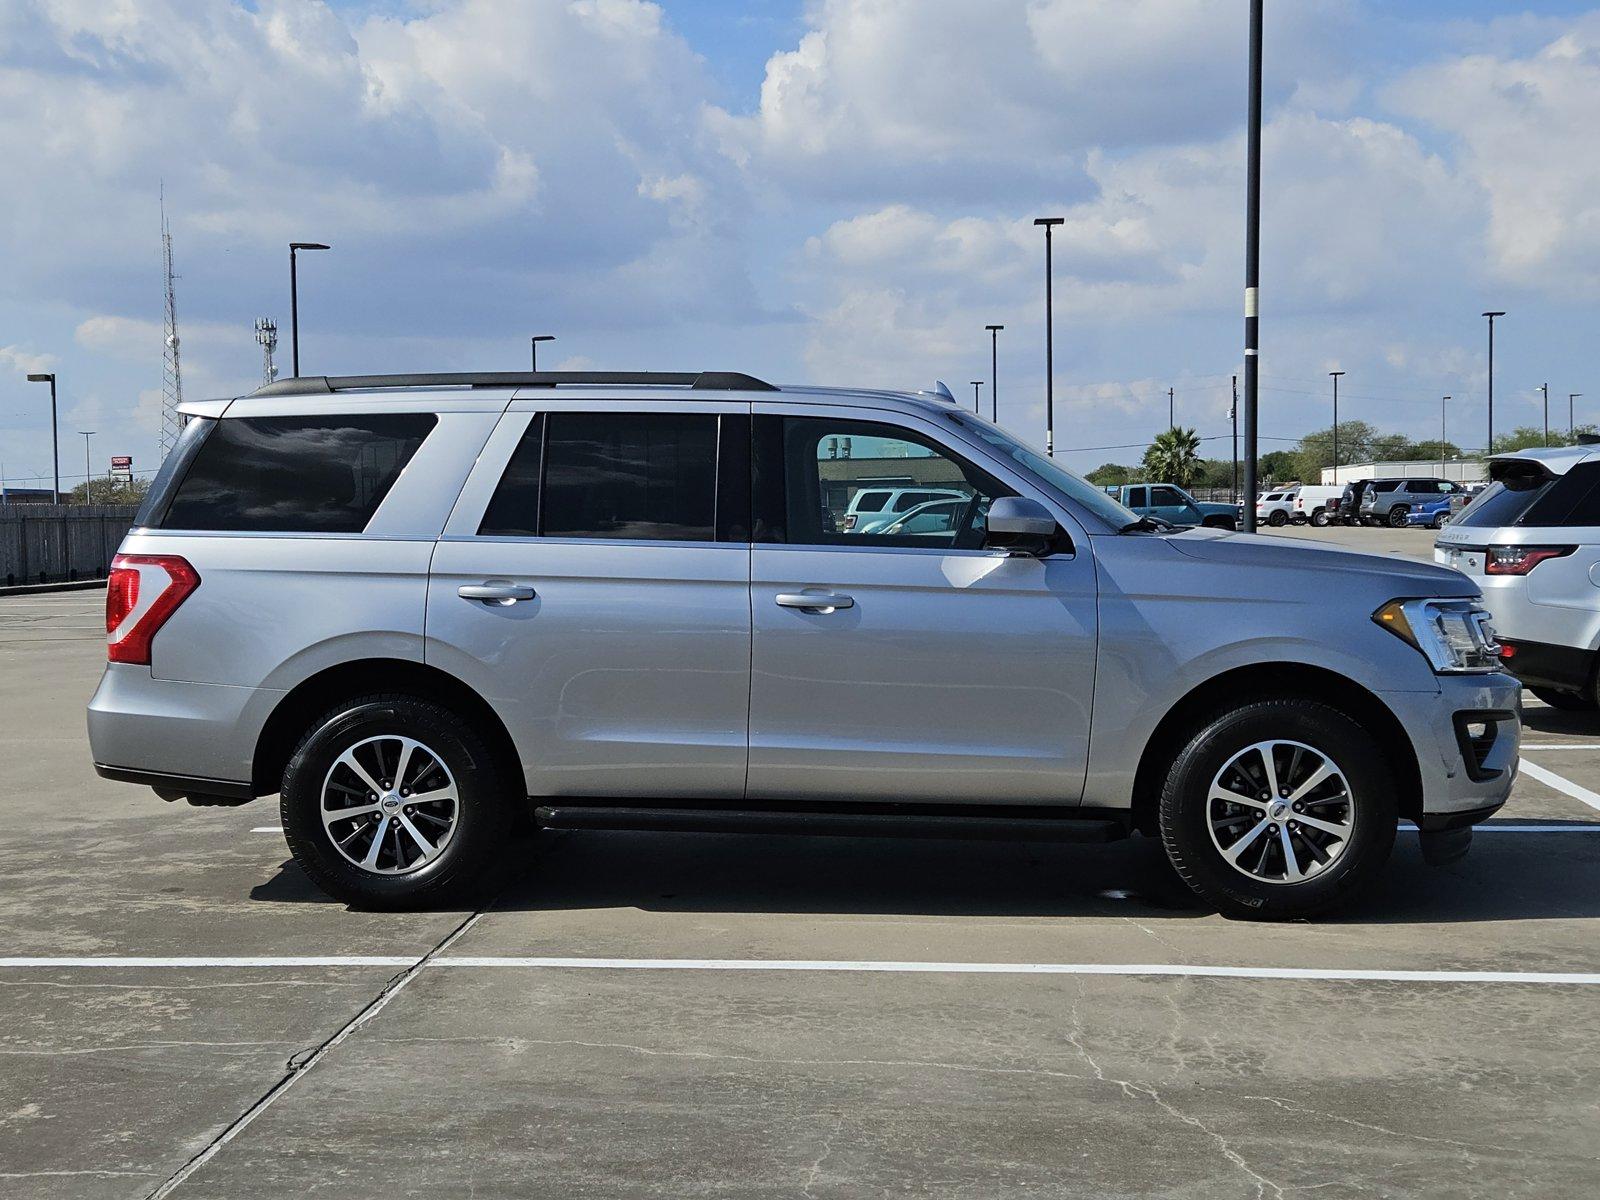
x,y
1174,457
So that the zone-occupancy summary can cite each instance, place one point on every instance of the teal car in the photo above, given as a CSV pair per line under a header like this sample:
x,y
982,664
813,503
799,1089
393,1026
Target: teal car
x,y
1170,503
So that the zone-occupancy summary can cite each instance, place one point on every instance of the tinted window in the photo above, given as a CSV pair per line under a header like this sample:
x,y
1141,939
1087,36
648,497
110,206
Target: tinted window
x,y
1167,496
869,501
630,476
514,511
1385,485
803,493
296,474
1570,500
1137,497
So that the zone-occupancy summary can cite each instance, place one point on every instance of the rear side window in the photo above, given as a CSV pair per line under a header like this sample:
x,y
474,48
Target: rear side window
x,y
627,476
870,502
321,474
1567,501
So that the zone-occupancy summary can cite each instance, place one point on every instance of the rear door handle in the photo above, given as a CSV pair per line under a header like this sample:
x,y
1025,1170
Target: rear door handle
x,y
496,593
818,602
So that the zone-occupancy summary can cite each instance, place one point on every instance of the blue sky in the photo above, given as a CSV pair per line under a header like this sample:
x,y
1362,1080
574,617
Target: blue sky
x,y
837,192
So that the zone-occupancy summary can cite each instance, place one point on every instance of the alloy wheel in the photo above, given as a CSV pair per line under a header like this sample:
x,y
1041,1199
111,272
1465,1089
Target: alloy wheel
x,y
1280,812
389,805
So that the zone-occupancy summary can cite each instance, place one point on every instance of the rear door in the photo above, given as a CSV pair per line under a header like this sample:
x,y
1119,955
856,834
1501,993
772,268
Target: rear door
x,y
593,586
914,666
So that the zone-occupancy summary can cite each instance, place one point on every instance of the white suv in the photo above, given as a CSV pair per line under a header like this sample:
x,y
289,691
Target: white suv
x,y
880,505
1531,541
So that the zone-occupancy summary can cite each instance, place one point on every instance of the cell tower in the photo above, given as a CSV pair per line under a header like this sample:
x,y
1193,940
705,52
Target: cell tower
x,y
267,335
171,373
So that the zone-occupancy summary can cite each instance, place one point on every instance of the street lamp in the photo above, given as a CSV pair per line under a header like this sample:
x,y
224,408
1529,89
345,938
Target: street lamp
x,y
1545,388
1442,402
1491,315
1049,224
977,409
994,372
1335,376
1172,420
1571,396
88,472
55,445
294,298
533,344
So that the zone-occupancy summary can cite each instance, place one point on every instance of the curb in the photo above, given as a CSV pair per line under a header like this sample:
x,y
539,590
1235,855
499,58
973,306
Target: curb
x,y
29,589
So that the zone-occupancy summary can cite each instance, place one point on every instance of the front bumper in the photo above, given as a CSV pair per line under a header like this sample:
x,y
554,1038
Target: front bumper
x,y
1461,774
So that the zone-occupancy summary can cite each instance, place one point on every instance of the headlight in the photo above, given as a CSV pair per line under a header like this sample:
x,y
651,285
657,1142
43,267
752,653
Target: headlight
x,y
1453,635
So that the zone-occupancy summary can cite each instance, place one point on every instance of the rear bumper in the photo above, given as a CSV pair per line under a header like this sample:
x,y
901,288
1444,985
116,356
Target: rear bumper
x,y
149,730
174,787
1544,665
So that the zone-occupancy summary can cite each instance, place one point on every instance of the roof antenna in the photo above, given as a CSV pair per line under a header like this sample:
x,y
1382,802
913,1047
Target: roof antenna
x,y
942,392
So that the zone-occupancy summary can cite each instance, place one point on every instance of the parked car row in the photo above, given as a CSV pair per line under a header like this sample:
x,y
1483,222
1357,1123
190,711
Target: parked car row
x,y
1398,503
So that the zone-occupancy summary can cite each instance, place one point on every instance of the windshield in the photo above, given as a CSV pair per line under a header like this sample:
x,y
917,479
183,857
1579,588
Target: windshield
x,y
1052,472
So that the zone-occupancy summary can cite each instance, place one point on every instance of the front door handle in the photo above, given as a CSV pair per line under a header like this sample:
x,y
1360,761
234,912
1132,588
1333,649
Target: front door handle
x,y
496,593
817,602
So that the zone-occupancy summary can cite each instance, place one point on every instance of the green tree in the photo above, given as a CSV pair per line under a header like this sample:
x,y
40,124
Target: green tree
x,y
107,490
1109,474
1278,466
1316,449
1525,437
1174,457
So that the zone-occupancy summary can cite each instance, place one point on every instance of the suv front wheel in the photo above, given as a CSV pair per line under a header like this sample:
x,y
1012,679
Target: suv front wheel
x,y
1278,809
391,801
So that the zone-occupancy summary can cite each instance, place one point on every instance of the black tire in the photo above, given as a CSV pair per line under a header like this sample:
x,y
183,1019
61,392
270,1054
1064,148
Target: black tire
x,y
1319,518
1397,516
1566,701
1298,519
1277,518
1184,812
1440,520
483,814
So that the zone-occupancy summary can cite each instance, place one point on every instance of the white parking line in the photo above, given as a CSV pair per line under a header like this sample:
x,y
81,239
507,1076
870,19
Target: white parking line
x,y
1551,779
267,829
826,966
1560,746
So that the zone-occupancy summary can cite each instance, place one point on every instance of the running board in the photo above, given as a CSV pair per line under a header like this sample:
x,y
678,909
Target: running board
x,y
832,824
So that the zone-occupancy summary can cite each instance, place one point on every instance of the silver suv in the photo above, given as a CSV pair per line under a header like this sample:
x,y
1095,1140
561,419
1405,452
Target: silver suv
x,y
422,609
1389,501
1531,541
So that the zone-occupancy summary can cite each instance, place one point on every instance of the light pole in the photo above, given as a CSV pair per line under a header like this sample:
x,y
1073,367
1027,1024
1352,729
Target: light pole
x,y
994,372
1172,420
1049,223
1335,377
1442,402
1233,415
1545,388
1252,264
88,472
1491,315
55,444
1571,396
294,298
977,409
533,344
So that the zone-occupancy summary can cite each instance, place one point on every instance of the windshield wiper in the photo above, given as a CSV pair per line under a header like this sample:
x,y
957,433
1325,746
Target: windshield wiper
x,y
1147,525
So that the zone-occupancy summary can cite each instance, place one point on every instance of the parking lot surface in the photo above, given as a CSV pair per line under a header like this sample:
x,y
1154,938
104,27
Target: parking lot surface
x,y
688,1015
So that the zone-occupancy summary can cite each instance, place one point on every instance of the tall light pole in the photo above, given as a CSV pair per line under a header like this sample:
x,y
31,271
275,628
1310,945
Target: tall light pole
x,y
1545,388
1049,223
1491,315
294,298
994,372
1233,415
533,344
88,472
1172,419
977,406
55,443
1442,439
1252,264
1571,396
1334,375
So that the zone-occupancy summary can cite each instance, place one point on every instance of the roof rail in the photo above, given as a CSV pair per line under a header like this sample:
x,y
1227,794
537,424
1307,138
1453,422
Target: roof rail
x,y
705,381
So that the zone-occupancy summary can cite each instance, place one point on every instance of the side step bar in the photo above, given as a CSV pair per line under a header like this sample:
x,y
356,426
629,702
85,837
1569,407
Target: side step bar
x,y
832,824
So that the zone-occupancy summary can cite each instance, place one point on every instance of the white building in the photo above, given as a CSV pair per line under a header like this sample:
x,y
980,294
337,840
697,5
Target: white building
x,y
1462,470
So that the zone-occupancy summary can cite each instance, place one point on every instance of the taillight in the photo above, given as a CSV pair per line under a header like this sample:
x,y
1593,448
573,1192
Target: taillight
x,y
1519,560
143,591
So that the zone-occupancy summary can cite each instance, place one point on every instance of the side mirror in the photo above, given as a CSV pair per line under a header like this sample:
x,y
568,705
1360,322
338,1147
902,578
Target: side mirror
x,y
1022,526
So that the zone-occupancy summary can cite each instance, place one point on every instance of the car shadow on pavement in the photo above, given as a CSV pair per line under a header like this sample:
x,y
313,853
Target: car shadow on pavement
x,y
1553,720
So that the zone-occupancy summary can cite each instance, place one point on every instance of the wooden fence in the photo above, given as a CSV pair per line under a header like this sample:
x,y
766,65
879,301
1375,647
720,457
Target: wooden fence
x,y
49,543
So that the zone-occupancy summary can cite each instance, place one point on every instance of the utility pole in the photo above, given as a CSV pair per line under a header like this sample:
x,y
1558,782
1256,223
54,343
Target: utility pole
x,y
1335,375
1172,421
1252,265
1233,415
1445,400
977,407
1571,396
1491,315
88,471
1545,388
994,372
1049,223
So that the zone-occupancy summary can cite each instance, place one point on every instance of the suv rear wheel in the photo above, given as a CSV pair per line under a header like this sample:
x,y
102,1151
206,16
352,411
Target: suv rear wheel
x,y
1397,516
1277,518
391,801
1319,518
1278,809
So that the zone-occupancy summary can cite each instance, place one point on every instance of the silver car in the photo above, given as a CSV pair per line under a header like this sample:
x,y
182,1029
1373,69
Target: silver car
x,y
1531,541
422,609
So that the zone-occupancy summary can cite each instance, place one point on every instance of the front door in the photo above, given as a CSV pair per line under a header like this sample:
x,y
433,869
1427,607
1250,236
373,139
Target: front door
x,y
907,663
593,586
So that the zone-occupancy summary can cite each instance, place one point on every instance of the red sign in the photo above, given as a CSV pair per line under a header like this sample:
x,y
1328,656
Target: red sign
x,y
121,462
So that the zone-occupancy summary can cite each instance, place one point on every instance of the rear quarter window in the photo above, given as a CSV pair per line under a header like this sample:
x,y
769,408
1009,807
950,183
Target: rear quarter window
x,y
312,474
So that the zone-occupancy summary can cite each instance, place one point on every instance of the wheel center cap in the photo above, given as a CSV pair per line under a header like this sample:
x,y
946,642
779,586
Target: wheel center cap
x,y
1278,810
390,802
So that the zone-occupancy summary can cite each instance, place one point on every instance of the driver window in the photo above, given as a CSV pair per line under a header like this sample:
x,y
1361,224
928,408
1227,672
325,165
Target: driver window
x,y
936,500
